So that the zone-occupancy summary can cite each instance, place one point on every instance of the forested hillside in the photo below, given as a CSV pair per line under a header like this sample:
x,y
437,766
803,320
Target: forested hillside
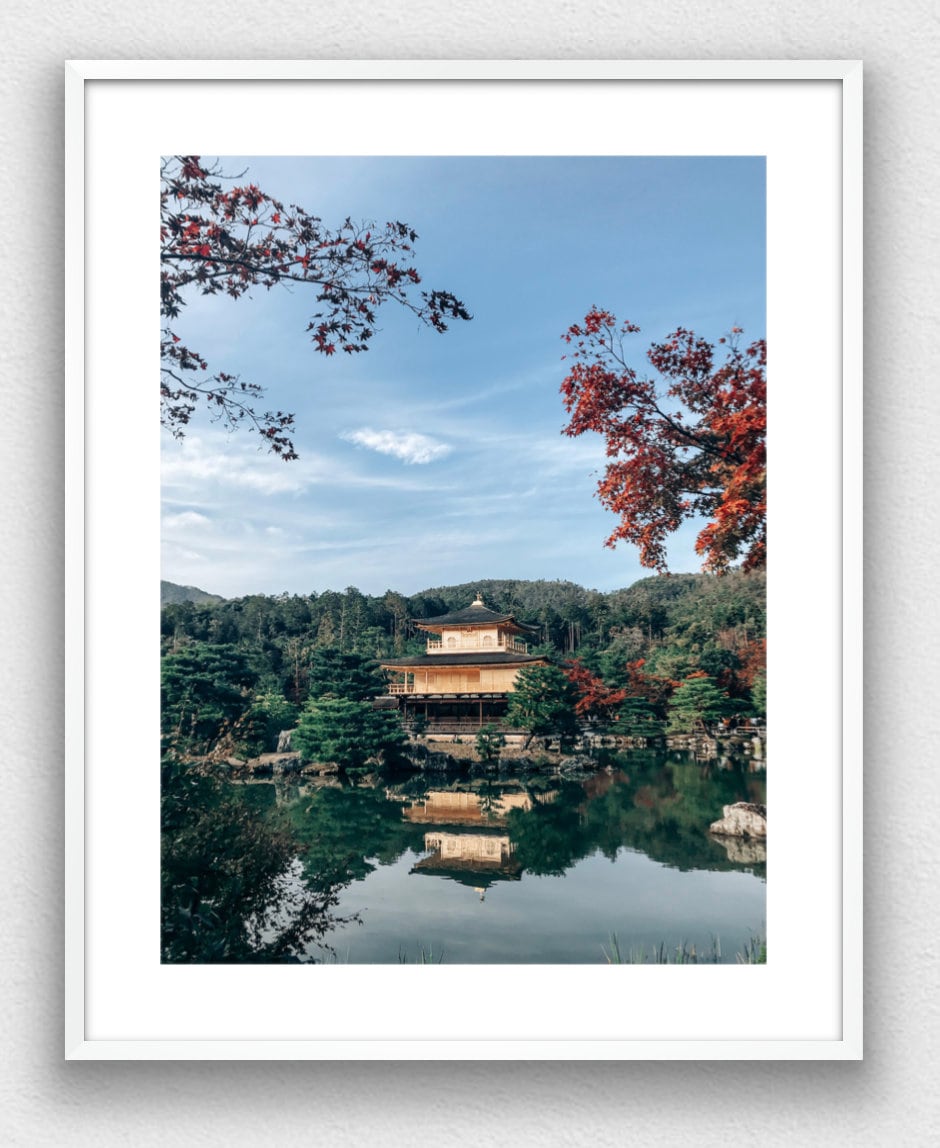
x,y
696,613
642,641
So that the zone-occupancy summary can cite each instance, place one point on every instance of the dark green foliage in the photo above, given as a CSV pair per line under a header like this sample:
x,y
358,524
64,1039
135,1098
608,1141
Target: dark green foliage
x,y
543,702
204,691
548,838
346,732
698,701
759,696
345,832
335,674
247,879
229,887
268,715
684,610
660,804
636,717
489,742
307,646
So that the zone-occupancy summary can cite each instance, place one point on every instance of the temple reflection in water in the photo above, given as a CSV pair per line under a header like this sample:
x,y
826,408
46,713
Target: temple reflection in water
x,y
475,859
459,807
478,859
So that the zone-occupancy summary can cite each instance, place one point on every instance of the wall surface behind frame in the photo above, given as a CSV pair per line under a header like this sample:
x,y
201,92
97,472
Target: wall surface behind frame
x,y
893,1093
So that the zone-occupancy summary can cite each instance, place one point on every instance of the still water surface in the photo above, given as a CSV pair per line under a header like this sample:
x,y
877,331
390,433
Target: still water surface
x,y
536,869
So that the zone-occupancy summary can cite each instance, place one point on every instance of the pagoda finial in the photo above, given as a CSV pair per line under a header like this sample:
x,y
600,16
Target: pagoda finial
x,y
478,600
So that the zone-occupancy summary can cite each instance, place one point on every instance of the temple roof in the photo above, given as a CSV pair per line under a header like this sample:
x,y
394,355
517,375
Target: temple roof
x,y
468,872
473,873
476,614
461,658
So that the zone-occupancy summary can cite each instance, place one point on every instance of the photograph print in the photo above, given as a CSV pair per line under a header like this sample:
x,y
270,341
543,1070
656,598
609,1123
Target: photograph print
x,y
463,623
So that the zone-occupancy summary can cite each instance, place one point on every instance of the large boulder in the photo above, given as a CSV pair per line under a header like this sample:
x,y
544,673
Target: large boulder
x,y
743,819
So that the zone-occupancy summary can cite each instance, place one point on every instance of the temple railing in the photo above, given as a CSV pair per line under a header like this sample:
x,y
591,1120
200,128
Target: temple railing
x,y
507,645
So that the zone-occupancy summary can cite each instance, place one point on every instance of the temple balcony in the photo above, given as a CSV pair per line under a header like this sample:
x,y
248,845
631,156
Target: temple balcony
x,y
460,644
447,689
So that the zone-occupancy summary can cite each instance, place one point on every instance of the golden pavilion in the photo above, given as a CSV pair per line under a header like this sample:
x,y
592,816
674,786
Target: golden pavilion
x,y
464,678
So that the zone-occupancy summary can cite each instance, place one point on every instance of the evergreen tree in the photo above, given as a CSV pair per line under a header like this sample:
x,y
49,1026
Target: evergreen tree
x,y
698,699
228,887
759,696
637,717
333,673
268,715
204,690
489,742
543,703
346,732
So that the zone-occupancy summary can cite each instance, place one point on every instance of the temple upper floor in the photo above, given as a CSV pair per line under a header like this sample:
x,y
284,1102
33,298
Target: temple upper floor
x,y
458,641
475,628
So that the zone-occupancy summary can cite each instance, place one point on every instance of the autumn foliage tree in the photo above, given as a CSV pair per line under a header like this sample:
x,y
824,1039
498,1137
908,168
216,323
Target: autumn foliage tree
x,y
221,236
596,699
685,441
654,689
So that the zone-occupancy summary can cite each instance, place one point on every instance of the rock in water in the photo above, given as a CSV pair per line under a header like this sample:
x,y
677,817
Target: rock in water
x,y
743,819
743,850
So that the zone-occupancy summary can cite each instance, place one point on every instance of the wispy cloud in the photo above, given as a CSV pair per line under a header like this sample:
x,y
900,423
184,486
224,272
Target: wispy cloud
x,y
185,520
198,462
412,448
199,471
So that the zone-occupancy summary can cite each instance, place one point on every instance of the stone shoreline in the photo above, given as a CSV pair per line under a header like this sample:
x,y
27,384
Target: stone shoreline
x,y
452,753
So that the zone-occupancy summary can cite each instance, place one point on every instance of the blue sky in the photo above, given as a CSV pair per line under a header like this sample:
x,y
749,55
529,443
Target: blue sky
x,y
435,459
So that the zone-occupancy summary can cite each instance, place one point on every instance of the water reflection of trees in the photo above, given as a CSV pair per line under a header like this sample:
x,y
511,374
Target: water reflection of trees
x,y
254,873
345,832
232,889
656,803
663,808
550,837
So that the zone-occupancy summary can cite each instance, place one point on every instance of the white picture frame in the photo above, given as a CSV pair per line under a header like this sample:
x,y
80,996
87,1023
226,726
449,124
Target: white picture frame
x,y
806,1003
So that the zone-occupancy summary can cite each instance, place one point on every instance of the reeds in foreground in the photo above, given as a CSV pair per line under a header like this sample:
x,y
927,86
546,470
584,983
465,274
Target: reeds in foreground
x,y
754,953
424,957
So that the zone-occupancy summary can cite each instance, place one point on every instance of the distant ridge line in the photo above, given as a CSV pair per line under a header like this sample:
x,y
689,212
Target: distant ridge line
x,y
171,594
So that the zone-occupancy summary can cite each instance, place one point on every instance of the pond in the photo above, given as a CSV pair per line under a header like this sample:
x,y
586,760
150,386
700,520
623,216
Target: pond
x,y
528,869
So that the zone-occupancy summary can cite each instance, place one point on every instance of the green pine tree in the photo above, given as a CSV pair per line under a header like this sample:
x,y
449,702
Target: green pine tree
x,y
269,714
489,742
204,690
636,717
759,695
698,700
346,732
336,674
542,703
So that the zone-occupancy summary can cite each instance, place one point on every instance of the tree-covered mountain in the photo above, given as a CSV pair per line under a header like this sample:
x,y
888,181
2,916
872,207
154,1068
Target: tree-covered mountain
x,y
674,625
670,649
170,592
